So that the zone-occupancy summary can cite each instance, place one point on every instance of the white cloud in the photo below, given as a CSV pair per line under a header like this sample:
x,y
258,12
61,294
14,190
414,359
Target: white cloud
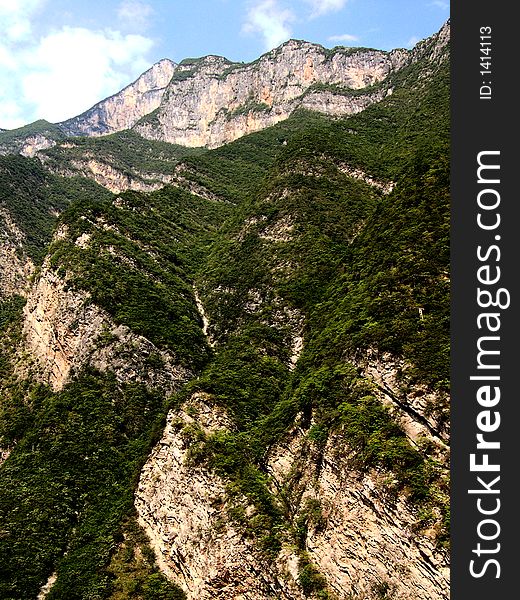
x,y
324,7
442,4
412,41
271,21
15,19
65,71
74,68
345,37
134,13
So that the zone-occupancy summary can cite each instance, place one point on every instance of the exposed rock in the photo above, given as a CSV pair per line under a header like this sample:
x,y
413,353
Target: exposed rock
x,y
15,266
204,317
183,509
212,102
47,587
30,139
64,332
364,540
4,454
368,540
124,109
32,144
412,405
109,176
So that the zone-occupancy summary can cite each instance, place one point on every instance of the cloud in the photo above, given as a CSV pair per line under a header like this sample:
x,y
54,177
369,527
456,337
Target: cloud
x,y
134,13
412,41
345,37
66,71
15,19
442,4
324,7
74,68
271,21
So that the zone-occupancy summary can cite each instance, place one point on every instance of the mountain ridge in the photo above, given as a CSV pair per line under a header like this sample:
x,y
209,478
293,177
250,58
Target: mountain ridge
x,y
140,105
234,385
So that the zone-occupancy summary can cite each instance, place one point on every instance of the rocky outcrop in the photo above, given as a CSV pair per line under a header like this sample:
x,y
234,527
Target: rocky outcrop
x,y
211,101
110,177
360,538
422,413
64,332
124,109
30,139
184,510
15,266
34,143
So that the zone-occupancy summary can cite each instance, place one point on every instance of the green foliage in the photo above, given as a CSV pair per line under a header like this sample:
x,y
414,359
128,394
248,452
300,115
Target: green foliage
x,y
248,107
69,482
137,262
134,572
298,248
311,580
125,150
33,198
13,139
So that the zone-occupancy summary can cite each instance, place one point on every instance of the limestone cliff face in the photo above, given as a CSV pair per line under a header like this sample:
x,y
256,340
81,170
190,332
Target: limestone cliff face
x,y
15,267
124,109
210,102
64,332
422,413
364,541
109,176
183,509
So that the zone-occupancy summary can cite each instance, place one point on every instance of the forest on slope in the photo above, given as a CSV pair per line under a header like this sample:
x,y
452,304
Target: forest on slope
x,y
321,243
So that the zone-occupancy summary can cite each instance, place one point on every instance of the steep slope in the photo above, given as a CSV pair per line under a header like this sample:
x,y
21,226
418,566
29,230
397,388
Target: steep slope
x,y
314,446
251,363
210,101
31,200
124,109
110,328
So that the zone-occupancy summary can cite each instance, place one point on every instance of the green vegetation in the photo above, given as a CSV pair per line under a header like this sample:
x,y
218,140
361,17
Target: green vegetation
x,y
136,263
126,151
135,572
297,248
13,138
69,483
34,198
248,107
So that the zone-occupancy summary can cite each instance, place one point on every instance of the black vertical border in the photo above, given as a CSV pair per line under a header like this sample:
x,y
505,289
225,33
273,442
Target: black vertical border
x,y
481,125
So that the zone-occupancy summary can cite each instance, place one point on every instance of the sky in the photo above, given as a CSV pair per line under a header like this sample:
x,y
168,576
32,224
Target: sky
x,y
60,57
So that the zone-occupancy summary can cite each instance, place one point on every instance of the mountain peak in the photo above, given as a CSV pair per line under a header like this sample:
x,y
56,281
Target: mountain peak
x,y
124,109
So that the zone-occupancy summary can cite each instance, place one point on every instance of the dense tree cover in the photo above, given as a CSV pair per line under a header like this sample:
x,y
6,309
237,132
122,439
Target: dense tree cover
x,y
34,198
125,150
69,483
296,247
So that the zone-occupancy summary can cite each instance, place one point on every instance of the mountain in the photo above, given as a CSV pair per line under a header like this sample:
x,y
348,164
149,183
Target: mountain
x,y
124,109
224,369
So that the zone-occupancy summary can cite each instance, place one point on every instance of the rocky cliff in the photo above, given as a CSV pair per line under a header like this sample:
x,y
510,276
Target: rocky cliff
x,y
15,265
363,541
64,333
253,360
124,109
211,101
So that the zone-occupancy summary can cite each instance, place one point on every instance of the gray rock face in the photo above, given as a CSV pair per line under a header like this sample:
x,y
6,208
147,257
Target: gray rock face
x,y
211,102
64,332
124,109
15,267
364,542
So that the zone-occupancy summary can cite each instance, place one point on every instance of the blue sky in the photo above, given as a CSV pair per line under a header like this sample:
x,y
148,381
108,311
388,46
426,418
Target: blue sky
x,y
59,57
